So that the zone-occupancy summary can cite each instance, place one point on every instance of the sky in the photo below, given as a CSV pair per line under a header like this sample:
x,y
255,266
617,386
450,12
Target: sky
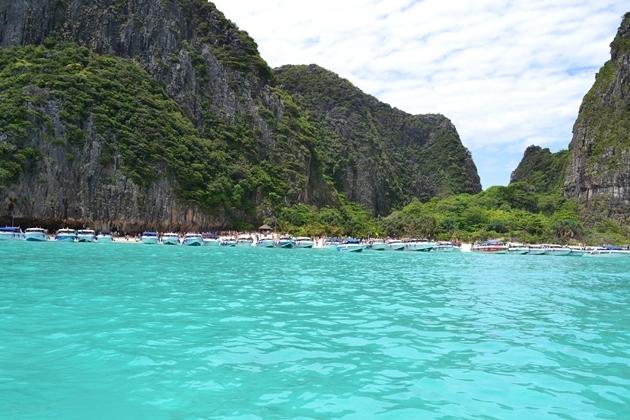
x,y
508,74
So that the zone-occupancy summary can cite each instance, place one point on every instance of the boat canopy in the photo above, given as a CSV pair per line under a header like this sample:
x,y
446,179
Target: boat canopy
x,y
149,234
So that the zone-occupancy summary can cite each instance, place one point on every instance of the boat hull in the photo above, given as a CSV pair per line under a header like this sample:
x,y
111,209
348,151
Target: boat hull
x,y
86,238
558,252
518,251
378,246
350,248
419,246
211,242
35,237
608,254
286,244
149,240
490,250
536,251
266,243
396,247
192,242
304,244
171,240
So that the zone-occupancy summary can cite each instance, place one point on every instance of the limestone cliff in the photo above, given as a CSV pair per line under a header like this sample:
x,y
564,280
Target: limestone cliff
x,y
162,113
378,155
599,169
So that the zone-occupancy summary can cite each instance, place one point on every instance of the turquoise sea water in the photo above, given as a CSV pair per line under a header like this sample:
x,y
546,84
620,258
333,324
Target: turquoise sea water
x,y
136,331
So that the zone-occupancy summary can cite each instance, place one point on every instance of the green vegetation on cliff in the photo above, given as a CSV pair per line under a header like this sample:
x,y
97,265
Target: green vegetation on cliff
x,y
67,96
378,155
542,170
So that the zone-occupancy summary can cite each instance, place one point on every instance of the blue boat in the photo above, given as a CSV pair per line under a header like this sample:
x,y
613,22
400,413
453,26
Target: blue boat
x,y
11,233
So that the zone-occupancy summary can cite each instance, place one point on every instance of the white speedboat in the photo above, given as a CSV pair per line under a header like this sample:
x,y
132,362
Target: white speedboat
x,y
395,245
149,238
210,239
104,238
557,250
422,246
304,242
244,240
445,247
351,245
228,241
377,245
66,235
192,239
536,250
266,242
285,242
517,249
11,233
86,235
490,247
35,235
578,251
170,239
608,253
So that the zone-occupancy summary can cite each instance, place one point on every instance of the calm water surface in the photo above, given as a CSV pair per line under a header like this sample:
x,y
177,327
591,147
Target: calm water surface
x,y
133,331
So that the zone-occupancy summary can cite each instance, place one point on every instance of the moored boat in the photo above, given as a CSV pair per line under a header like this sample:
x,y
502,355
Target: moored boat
x,y
244,240
66,235
210,239
445,247
556,250
351,245
149,238
192,239
421,246
578,251
35,235
170,238
227,241
517,249
304,242
11,233
285,242
609,251
490,247
86,235
377,245
395,245
266,242
536,250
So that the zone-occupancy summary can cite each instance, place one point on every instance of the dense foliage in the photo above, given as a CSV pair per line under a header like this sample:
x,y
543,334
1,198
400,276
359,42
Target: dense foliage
x,y
542,170
514,212
67,96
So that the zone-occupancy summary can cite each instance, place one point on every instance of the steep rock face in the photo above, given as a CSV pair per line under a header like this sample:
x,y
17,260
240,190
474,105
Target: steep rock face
x,y
542,170
219,83
162,113
378,155
599,169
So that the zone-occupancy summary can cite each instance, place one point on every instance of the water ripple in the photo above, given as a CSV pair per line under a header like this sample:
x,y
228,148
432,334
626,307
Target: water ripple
x,y
159,332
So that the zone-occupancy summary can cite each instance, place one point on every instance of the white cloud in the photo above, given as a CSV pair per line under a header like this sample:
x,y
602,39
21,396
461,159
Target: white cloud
x,y
507,73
